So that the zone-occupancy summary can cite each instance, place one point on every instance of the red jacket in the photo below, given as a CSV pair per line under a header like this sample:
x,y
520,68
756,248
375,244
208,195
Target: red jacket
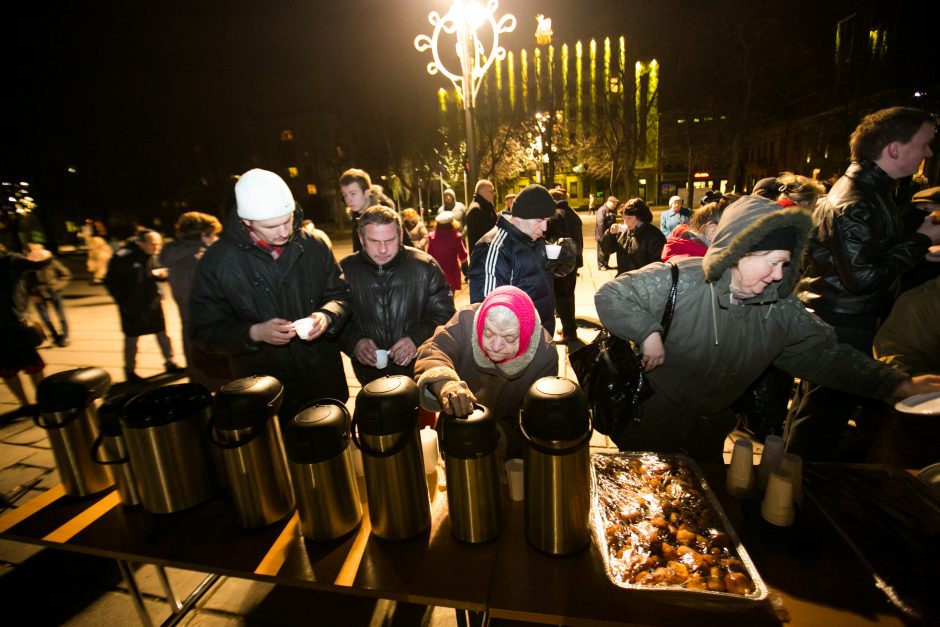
x,y
682,244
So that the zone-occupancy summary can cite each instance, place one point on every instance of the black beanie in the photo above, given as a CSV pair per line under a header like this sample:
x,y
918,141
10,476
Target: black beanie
x,y
534,202
779,239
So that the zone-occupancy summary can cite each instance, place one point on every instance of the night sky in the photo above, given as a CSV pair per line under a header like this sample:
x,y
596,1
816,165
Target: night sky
x,y
123,90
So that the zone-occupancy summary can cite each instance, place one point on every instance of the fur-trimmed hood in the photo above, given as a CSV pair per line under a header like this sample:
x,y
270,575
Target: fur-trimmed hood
x,y
745,223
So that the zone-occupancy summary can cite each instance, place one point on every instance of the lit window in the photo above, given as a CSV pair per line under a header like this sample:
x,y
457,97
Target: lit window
x,y
287,136
293,172
311,189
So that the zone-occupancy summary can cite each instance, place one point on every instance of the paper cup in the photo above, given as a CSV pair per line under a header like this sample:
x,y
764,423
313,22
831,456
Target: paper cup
x,y
777,508
552,250
515,473
381,359
303,327
429,447
770,459
740,478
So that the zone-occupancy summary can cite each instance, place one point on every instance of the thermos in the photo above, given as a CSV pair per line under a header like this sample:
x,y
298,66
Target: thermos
x,y
556,428
474,498
165,433
68,406
385,429
319,458
244,427
110,450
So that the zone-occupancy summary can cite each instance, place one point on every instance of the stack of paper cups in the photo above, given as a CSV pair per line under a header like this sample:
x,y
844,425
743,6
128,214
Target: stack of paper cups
x,y
770,459
794,464
777,507
740,479
430,448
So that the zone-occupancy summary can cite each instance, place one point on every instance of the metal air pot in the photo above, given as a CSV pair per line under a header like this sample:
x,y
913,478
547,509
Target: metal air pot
x,y
67,405
245,429
321,468
165,433
385,429
556,427
110,450
474,498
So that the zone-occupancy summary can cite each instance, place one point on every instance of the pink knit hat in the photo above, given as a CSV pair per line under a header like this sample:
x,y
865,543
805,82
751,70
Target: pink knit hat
x,y
516,301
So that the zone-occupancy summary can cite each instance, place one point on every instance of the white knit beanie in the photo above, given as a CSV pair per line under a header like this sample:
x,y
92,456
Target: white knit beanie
x,y
262,195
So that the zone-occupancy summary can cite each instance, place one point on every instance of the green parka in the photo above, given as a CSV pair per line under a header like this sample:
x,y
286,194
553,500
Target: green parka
x,y
716,348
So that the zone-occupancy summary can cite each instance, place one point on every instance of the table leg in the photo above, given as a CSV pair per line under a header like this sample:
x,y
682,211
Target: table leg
x,y
178,609
171,598
136,597
190,601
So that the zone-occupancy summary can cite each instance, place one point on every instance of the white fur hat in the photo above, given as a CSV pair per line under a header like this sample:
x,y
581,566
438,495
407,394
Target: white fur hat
x,y
262,195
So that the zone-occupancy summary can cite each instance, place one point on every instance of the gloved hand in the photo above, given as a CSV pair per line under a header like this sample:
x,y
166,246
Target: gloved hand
x,y
456,398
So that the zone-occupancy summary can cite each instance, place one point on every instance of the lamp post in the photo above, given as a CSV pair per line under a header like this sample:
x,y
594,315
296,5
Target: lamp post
x,y
473,26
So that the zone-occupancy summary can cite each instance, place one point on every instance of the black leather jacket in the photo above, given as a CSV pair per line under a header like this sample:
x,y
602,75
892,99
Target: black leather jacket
x,y
858,247
408,296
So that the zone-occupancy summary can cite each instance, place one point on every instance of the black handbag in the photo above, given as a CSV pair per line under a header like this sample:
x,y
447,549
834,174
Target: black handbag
x,y
611,375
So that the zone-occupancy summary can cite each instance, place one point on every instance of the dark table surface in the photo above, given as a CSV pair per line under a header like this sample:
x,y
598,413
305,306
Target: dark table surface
x,y
810,568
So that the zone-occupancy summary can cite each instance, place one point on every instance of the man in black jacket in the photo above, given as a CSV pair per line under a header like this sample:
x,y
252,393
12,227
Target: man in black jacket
x,y
480,216
399,296
858,250
264,272
132,280
566,224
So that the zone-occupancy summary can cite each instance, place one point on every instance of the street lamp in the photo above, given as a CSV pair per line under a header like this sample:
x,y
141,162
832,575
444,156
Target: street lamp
x,y
467,21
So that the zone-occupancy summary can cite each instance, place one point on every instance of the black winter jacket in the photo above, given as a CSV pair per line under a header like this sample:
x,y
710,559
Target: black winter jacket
x,y
644,245
408,296
566,223
237,285
481,217
133,287
507,256
858,248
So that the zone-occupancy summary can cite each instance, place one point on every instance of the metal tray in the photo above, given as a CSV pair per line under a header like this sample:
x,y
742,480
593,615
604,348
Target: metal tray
x,y
735,548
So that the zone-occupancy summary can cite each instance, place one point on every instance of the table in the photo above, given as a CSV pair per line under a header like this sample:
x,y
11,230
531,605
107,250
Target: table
x,y
809,566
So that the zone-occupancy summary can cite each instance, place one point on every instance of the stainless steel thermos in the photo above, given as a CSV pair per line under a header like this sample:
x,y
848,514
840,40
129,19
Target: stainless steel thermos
x,y
556,427
321,468
474,498
385,428
165,430
110,450
68,406
244,427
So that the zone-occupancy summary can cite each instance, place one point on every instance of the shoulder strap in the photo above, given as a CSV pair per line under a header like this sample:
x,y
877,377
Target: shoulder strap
x,y
670,300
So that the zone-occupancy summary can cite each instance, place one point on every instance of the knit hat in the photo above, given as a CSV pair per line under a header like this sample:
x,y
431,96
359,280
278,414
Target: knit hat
x,y
533,203
675,198
780,239
262,195
767,188
929,195
519,303
444,217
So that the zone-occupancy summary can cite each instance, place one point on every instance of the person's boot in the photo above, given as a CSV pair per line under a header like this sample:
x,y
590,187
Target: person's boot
x,y
172,368
132,377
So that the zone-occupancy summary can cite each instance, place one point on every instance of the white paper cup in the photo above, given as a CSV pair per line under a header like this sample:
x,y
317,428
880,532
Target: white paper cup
x,y
552,250
381,358
770,459
303,327
740,478
429,447
515,473
777,508
794,464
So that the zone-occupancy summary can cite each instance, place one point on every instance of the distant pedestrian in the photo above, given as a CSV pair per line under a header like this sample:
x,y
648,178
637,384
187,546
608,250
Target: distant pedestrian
x,y
132,280
604,218
636,241
99,256
675,215
195,232
311,228
45,287
416,228
446,246
19,348
481,215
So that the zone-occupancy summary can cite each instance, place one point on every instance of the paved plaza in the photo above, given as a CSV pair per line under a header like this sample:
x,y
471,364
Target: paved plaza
x,y
89,590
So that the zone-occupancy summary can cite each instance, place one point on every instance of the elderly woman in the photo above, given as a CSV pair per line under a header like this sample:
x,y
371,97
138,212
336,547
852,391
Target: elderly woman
x,y
445,244
672,217
488,353
636,241
734,316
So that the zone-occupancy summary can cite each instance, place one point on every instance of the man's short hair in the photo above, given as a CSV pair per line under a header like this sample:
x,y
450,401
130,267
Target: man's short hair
x,y
481,183
357,176
878,129
195,224
378,215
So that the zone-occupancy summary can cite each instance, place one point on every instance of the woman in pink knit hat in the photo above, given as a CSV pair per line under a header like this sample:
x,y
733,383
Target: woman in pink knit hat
x,y
489,353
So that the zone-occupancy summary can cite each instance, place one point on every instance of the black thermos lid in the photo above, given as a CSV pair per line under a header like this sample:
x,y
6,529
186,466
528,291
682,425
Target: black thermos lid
x,y
317,433
387,406
109,414
165,405
245,403
555,408
467,437
72,389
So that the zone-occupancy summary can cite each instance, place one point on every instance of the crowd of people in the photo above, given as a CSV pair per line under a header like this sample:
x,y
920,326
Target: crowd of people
x,y
790,283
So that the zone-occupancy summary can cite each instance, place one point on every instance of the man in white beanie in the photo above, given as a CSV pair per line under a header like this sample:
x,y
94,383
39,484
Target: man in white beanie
x,y
264,273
